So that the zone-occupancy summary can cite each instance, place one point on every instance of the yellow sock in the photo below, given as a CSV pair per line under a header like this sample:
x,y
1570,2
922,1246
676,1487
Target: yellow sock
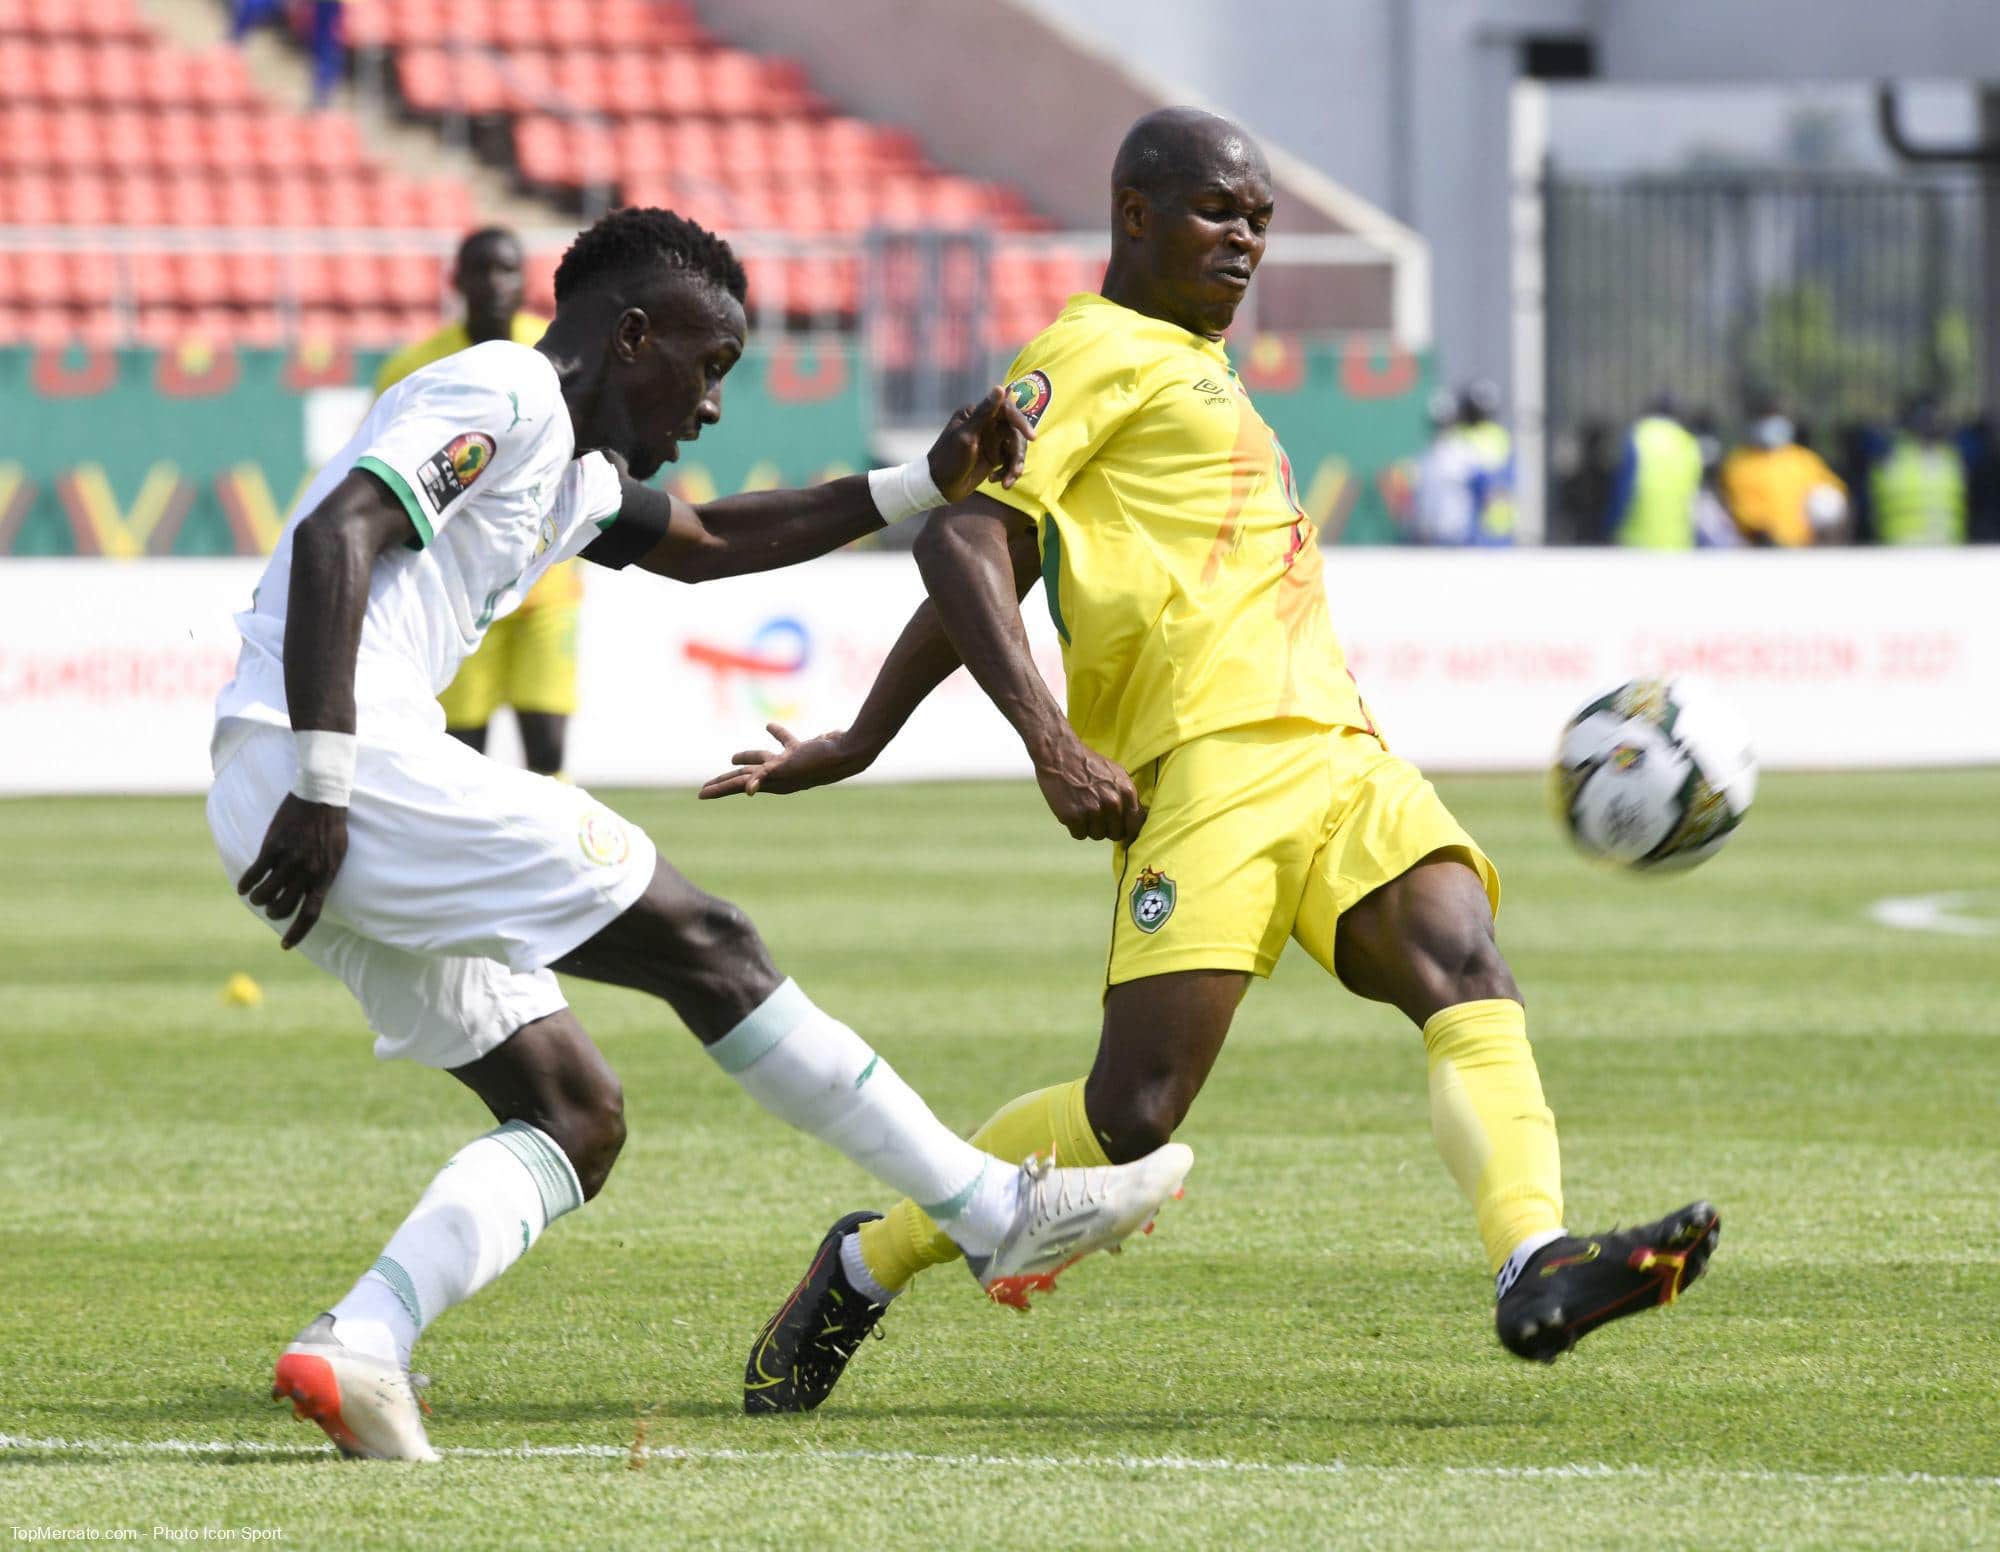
x,y
901,1245
1496,1132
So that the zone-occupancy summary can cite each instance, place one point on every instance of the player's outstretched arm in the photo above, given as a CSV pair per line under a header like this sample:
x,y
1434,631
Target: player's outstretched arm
x,y
921,660
963,554
334,549
768,529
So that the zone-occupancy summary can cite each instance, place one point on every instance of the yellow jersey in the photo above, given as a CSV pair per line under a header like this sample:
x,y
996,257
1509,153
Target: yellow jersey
x,y
562,584
1183,575
1768,490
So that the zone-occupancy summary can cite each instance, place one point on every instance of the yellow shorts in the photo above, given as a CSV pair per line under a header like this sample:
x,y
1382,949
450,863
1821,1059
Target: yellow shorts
x,y
1262,833
527,661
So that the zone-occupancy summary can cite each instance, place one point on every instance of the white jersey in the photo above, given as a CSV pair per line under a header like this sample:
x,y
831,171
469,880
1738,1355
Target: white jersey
x,y
479,450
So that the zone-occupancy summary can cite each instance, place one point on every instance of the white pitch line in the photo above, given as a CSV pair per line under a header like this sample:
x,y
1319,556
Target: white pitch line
x,y
1213,1465
1946,913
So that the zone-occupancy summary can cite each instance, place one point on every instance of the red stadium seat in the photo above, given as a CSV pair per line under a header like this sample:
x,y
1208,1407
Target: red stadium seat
x,y
424,78
631,84
72,142
85,200
251,279
204,279
745,149
734,83
329,142
640,150
138,199
115,70
243,201
366,24
190,200
167,81
412,280
541,150
340,200
357,279
127,141
262,327
58,73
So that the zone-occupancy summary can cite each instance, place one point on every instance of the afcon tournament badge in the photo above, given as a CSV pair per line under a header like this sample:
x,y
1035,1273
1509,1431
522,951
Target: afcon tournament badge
x,y
447,473
1031,395
1152,900
603,838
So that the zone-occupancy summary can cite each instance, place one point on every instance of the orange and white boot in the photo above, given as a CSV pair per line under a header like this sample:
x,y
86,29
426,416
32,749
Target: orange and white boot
x,y
367,1405
1062,1215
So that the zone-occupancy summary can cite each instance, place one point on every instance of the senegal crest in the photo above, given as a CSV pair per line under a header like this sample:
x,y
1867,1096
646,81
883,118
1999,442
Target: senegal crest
x,y
602,838
1152,900
1031,395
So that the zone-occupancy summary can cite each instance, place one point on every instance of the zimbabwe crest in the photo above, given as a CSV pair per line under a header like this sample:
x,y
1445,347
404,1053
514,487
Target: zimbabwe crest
x,y
1152,900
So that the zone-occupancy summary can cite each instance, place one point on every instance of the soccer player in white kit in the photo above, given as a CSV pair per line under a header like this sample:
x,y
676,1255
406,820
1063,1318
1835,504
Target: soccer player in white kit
x,y
444,889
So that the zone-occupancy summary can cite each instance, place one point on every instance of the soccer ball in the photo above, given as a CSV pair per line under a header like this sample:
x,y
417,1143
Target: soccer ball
x,y
1653,775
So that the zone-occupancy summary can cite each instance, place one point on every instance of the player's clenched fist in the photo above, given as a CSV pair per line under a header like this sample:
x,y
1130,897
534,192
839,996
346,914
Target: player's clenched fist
x,y
983,441
1092,796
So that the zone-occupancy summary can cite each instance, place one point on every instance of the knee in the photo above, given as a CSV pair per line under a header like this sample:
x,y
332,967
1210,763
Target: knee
x,y
1470,967
1135,1118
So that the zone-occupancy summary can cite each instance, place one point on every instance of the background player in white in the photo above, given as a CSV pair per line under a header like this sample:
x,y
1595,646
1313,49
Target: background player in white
x,y
442,888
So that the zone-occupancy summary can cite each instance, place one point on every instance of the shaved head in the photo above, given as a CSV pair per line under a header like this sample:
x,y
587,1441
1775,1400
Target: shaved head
x,y
1191,199
1173,149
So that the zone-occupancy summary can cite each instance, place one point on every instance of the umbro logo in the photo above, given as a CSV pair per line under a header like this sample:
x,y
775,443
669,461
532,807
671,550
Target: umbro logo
x,y
1208,385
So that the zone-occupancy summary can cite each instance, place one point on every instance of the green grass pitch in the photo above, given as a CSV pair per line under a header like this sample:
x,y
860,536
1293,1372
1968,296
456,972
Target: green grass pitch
x,y
1302,1355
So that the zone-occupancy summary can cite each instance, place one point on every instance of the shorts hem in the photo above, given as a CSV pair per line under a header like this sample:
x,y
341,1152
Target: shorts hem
x,y
1251,963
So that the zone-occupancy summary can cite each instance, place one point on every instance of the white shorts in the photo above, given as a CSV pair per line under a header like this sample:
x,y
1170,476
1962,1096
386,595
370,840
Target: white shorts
x,y
464,880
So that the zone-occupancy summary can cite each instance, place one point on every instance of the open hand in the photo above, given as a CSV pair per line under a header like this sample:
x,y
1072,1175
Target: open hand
x,y
983,441
792,767
302,853
1093,797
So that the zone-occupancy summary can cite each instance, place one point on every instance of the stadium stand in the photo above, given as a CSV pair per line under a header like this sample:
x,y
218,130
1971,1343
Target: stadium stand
x,y
192,173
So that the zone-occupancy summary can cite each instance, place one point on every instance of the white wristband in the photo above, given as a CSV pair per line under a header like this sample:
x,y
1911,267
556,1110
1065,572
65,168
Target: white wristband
x,y
904,490
326,767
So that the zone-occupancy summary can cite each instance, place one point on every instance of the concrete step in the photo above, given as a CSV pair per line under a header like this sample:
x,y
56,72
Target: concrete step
x,y
284,74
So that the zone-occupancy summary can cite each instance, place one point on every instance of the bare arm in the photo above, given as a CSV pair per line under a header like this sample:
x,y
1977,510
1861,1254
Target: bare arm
x,y
768,529
333,551
963,554
921,660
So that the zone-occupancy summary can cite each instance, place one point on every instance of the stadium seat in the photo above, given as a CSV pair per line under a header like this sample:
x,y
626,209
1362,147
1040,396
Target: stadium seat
x,y
251,279
84,199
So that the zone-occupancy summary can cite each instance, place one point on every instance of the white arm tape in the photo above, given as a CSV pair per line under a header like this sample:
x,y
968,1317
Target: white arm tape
x,y
326,767
904,490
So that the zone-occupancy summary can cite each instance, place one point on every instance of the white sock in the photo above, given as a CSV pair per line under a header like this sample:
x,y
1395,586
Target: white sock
x,y
859,1278
480,1215
813,1071
1517,1263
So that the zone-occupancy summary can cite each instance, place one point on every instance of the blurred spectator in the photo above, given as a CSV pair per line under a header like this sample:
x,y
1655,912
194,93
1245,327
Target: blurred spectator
x,y
328,48
1919,487
1980,450
1778,491
1653,498
1714,528
1465,479
1583,490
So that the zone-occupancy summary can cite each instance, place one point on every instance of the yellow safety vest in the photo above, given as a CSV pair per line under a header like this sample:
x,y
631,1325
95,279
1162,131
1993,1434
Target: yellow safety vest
x,y
1919,492
1660,515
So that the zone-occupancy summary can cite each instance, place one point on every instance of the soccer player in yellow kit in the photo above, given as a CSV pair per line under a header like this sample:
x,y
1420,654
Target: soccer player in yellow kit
x,y
528,660
1216,737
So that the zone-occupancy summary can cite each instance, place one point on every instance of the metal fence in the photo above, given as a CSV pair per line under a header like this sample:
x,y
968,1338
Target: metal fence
x,y
1841,295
